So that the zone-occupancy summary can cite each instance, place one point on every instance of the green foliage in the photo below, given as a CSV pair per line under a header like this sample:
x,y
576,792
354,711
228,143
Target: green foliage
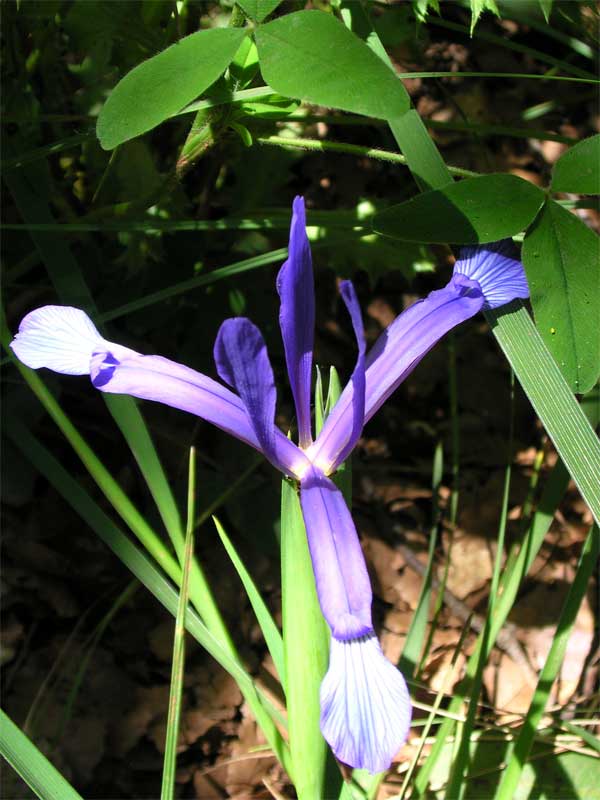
x,y
164,84
578,170
31,764
258,9
306,651
311,56
482,209
560,255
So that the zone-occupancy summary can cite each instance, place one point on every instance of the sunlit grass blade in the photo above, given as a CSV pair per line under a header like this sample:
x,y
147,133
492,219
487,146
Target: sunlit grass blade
x,y
45,151
152,578
267,625
522,747
178,664
32,765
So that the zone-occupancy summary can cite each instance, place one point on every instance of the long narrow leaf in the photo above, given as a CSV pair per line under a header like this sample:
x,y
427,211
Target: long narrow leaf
x,y
32,765
153,579
267,625
520,752
178,665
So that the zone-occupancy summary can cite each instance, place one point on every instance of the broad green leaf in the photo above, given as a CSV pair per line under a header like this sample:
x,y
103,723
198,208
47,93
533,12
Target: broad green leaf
x,y
306,651
31,764
310,55
482,209
560,255
161,86
578,170
258,9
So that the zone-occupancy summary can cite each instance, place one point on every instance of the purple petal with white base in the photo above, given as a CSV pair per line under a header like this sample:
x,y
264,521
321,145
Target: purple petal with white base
x,y
297,318
365,705
494,278
497,269
65,340
341,576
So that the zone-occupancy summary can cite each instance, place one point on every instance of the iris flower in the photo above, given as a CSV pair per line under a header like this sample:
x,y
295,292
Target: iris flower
x,y
365,705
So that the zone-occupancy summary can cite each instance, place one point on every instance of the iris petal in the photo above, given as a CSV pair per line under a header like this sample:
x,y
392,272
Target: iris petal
x,y
61,338
341,576
242,361
365,705
497,269
297,318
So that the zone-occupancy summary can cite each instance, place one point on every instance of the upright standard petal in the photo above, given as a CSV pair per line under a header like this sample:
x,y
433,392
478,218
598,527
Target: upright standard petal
x,y
341,576
394,355
297,318
365,705
61,338
242,362
497,269
358,378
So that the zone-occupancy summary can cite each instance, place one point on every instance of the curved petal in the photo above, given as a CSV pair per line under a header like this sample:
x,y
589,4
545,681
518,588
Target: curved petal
x,y
394,355
297,317
341,576
242,361
497,269
358,378
365,705
65,340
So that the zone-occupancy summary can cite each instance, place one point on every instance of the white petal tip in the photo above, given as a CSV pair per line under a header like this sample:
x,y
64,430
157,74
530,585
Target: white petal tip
x,y
61,338
365,705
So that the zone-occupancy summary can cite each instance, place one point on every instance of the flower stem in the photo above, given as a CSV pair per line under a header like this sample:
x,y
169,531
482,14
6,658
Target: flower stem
x,y
320,146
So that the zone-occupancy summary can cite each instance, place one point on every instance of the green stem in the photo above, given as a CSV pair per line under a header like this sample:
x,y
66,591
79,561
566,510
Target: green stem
x,y
316,145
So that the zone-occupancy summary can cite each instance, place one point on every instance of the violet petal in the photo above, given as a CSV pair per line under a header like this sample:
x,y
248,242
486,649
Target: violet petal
x,y
297,318
497,269
341,577
242,361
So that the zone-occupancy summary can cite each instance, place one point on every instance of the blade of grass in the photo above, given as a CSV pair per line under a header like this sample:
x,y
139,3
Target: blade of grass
x,y
178,665
267,625
517,566
457,785
153,579
32,765
522,747
30,190
516,47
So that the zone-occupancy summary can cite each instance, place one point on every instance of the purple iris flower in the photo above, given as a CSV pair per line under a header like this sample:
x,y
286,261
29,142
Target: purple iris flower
x,y
365,706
